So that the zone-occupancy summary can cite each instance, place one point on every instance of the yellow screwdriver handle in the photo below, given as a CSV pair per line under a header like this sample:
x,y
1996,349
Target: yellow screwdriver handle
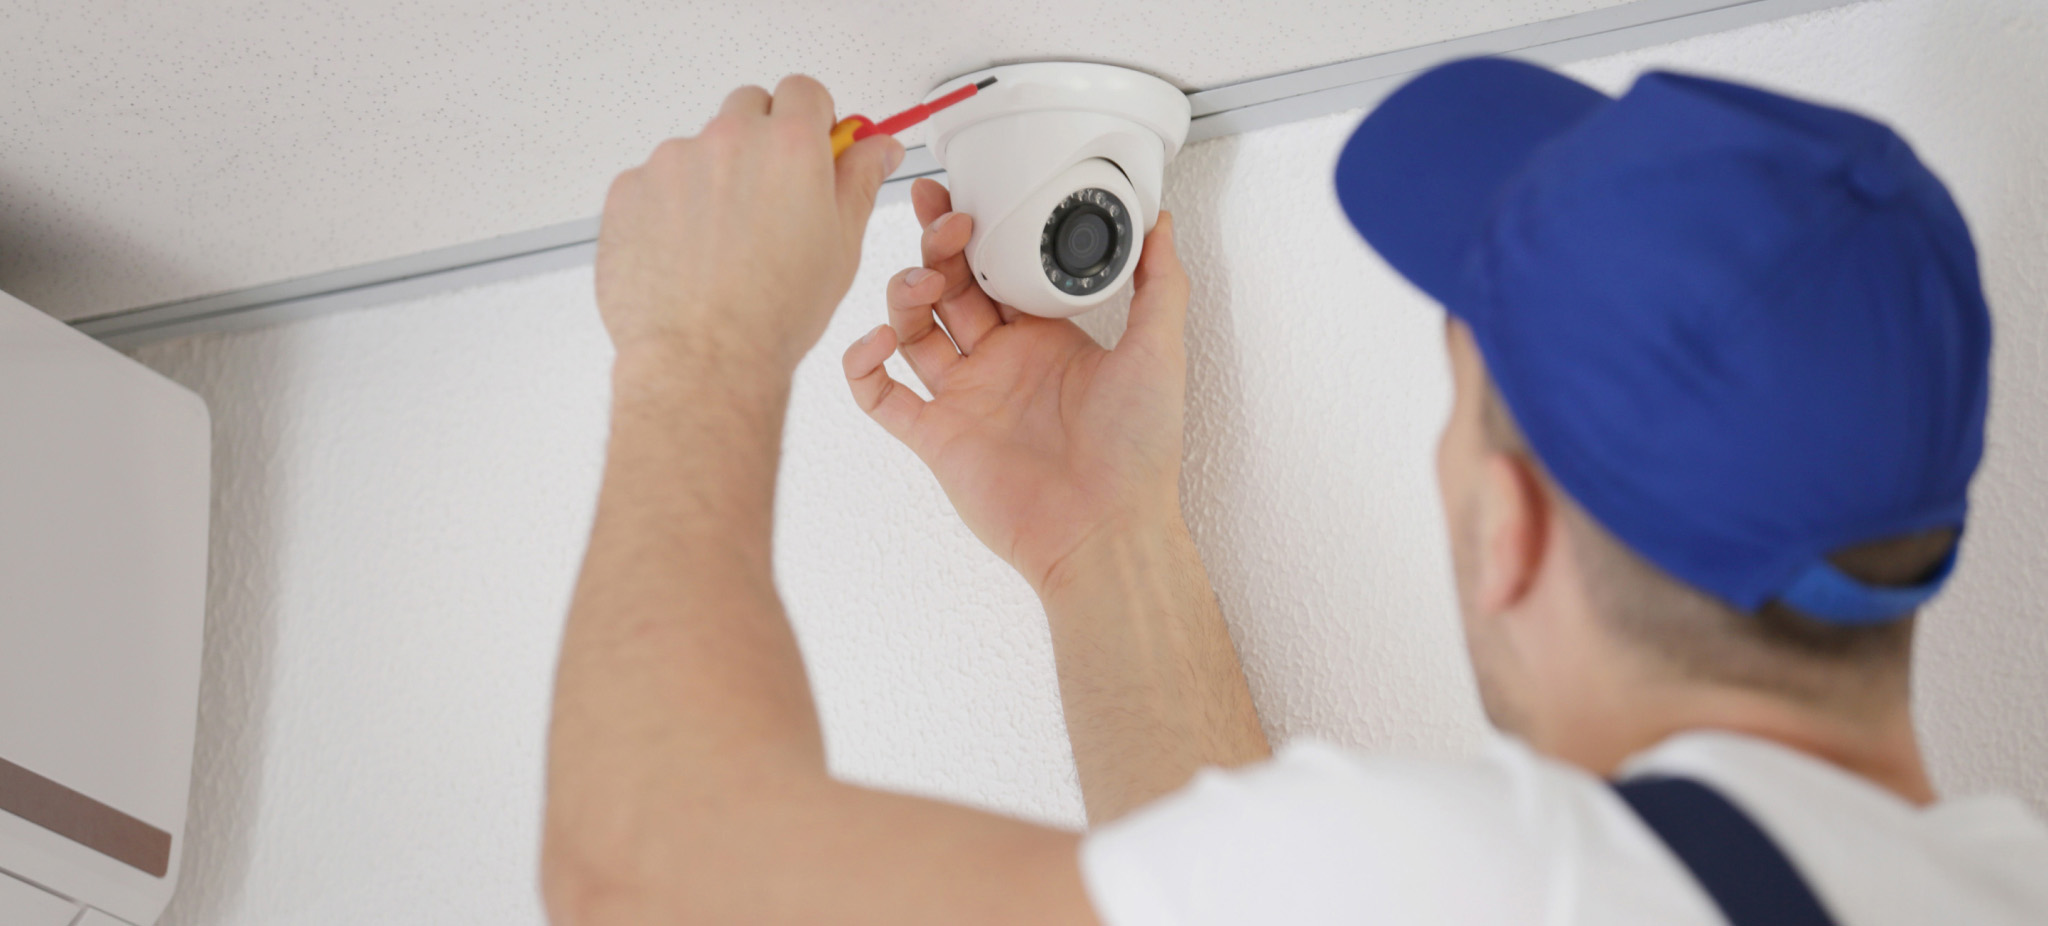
x,y
842,134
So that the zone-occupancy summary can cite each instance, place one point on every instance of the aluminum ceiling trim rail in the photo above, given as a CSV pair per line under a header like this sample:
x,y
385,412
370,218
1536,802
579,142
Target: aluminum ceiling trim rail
x,y
1226,110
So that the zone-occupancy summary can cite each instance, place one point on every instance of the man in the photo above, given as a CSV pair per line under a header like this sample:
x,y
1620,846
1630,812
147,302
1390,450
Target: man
x,y
1720,370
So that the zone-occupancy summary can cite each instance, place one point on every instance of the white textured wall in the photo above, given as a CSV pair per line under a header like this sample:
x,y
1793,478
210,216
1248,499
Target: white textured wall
x,y
402,495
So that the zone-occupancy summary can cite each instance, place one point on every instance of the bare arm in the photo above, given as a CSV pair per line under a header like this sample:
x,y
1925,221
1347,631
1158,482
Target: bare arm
x,y
1064,459
1148,677
686,775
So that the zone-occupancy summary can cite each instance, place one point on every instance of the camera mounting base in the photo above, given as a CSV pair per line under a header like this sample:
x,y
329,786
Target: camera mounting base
x,y
1063,85
1042,132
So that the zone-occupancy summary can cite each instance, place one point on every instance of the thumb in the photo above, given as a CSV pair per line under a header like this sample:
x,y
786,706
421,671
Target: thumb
x,y
1159,309
861,170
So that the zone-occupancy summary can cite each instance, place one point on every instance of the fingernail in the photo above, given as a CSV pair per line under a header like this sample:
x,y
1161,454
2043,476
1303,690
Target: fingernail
x,y
941,220
895,158
870,335
916,276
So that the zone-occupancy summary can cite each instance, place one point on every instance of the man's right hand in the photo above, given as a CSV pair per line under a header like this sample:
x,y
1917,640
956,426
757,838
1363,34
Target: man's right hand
x,y
1041,438
1065,459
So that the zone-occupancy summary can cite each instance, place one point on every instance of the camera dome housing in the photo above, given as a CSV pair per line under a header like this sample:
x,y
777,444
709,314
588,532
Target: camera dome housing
x,y
1060,165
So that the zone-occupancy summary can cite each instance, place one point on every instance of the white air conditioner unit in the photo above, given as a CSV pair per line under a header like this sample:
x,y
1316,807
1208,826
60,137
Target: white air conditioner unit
x,y
103,519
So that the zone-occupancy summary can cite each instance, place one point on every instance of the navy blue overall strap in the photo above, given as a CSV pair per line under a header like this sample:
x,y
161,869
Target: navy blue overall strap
x,y
1746,873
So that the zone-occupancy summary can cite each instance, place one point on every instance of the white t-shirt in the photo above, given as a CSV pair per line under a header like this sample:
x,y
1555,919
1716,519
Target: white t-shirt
x,y
1322,835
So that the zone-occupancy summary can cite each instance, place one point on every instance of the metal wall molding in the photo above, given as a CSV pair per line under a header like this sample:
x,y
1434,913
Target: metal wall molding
x,y
1227,110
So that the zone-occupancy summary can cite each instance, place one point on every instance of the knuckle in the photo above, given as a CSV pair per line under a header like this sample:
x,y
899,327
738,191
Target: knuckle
x,y
721,128
623,189
869,399
724,139
795,132
926,330
873,405
743,91
799,83
671,150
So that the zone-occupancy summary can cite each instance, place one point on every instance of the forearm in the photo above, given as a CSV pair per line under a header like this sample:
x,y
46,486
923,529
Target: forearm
x,y
680,692
1149,679
686,773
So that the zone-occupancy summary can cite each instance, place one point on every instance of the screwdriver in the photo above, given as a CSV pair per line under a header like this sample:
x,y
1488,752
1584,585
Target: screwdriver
x,y
854,128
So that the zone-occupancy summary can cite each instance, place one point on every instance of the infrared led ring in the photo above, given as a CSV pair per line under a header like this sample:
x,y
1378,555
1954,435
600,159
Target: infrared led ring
x,y
1086,241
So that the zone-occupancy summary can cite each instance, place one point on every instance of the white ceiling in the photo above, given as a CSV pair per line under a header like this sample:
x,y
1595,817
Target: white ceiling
x,y
158,151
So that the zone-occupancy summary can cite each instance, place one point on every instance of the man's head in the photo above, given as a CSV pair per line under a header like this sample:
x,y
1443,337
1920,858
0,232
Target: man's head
x,y
1560,614
1720,364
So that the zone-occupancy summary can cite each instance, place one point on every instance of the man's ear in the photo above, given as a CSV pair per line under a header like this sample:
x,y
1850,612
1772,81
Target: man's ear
x,y
1514,523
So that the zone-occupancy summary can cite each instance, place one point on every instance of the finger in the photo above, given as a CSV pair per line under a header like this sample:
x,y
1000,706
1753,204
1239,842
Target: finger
x,y
749,100
1159,308
930,199
967,311
923,343
860,172
802,98
965,303
890,403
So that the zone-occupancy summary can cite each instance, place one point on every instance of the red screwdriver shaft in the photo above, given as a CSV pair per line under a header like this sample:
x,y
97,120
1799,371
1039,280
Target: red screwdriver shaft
x,y
920,112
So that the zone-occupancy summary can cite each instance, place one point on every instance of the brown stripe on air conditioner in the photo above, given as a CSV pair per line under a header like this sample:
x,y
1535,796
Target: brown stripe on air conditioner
x,y
83,820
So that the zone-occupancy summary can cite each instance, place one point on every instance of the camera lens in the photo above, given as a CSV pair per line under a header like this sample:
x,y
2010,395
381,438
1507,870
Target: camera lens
x,y
1081,243
1086,241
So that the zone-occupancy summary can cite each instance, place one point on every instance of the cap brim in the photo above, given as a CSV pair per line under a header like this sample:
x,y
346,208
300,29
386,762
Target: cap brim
x,y
1422,174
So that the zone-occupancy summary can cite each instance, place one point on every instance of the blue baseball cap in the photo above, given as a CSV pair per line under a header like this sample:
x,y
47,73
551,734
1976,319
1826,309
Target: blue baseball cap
x,y
1742,331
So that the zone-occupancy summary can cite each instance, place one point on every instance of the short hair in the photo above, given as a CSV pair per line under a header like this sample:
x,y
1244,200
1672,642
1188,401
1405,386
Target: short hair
x,y
1776,649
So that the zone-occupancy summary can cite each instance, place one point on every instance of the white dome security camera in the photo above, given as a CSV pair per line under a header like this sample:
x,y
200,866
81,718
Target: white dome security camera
x,y
1060,164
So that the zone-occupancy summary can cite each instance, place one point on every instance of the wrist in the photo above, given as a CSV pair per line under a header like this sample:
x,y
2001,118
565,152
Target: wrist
x,y
673,365
1116,553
